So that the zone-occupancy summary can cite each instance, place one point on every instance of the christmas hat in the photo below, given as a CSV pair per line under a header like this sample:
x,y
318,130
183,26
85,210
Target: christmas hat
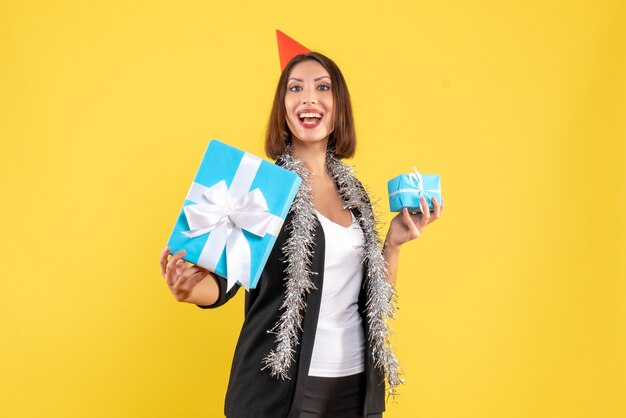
x,y
288,48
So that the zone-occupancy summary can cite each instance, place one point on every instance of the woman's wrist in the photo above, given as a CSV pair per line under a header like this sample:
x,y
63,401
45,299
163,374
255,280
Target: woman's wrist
x,y
391,248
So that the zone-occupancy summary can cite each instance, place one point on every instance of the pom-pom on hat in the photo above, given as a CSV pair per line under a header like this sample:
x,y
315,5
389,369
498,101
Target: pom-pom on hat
x,y
288,48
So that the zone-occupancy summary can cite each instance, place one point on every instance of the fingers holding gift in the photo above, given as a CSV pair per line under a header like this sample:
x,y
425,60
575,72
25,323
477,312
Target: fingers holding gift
x,y
181,266
410,224
437,211
425,219
173,269
163,260
186,281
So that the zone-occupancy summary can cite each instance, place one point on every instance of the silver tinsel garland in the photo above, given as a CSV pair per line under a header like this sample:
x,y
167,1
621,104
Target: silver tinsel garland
x,y
298,249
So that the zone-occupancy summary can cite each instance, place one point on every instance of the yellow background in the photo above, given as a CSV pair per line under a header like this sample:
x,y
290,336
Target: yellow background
x,y
512,305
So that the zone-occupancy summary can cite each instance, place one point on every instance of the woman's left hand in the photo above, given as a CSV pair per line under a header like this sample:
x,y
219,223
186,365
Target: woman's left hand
x,y
406,227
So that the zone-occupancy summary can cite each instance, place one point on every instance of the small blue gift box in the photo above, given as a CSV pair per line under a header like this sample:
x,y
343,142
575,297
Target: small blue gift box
x,y
406,189
233,213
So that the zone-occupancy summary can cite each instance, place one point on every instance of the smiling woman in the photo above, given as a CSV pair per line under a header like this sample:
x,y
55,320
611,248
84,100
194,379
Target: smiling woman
x,y
314,340
311,83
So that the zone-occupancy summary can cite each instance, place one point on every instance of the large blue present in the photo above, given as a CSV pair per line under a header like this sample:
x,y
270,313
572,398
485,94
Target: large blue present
x,y
233,213
406,189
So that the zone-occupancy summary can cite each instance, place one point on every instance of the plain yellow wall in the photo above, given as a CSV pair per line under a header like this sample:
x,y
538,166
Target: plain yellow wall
x,y
512,305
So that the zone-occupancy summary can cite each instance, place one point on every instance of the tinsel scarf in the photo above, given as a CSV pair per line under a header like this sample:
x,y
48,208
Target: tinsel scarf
x,y
298,250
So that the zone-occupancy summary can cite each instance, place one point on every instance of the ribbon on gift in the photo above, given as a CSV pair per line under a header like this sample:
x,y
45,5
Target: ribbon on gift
x,y
225,213
415,179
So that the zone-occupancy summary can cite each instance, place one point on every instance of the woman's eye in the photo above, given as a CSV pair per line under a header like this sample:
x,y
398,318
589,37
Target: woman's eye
x,y
295,88
323,87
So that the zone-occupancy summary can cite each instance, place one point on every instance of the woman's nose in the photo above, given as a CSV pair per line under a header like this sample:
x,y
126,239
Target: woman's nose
x,y
309,96
309,99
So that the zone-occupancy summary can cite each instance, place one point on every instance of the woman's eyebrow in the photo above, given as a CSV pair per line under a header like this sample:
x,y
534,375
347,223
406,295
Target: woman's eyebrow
x,y
317,79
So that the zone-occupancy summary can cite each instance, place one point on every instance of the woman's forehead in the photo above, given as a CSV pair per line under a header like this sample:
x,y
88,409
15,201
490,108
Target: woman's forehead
x,y
309,69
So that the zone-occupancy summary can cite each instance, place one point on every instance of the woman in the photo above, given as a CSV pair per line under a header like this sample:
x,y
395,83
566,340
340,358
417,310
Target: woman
x,y
314,339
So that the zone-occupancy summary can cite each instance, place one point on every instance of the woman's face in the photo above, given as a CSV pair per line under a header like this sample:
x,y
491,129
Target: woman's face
x,y
309,102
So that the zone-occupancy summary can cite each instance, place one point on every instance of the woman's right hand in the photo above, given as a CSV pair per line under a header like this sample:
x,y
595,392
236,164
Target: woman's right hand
x,y
187,282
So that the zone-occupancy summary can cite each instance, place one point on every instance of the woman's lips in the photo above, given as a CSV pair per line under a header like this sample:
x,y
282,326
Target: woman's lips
x,y
309,118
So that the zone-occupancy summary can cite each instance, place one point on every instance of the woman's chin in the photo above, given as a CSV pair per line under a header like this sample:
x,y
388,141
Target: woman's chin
x,y
311,139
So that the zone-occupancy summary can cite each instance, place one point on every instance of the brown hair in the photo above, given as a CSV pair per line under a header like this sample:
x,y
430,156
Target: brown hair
x,y
342,139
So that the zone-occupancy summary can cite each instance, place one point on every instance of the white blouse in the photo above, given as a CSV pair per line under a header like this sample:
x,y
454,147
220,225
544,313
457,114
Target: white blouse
x,y
339,341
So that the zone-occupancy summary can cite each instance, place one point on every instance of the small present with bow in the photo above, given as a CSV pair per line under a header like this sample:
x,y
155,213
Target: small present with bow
x,y
405,191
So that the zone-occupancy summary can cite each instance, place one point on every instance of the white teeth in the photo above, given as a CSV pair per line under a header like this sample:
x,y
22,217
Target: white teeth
x,y
310,115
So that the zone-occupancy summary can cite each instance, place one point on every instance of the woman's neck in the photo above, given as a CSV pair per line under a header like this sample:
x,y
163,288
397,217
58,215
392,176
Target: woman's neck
x,y
312,155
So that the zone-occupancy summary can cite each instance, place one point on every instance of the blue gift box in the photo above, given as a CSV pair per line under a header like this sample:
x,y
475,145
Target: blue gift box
x,y
233,213
406,189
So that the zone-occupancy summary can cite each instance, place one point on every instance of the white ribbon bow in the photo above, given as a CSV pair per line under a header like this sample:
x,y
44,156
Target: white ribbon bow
x,y
416,179
226,218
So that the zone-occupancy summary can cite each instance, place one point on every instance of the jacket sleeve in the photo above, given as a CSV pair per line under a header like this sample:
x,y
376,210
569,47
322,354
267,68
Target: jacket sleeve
x,y
224,296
